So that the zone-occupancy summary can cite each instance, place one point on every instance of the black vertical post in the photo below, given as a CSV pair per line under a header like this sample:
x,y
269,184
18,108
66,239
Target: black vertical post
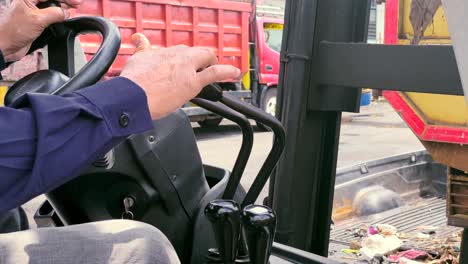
x,y
302,189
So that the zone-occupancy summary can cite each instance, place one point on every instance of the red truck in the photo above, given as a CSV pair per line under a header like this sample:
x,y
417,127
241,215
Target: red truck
x,y
224,26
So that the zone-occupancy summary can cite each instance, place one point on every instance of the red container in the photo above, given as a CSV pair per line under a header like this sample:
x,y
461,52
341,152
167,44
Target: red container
x,y
222,26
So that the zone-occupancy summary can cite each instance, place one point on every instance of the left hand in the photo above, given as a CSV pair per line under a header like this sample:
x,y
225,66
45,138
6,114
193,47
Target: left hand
x,y
22,22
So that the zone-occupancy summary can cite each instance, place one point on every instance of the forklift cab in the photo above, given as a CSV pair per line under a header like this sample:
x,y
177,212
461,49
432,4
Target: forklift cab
x,y
158,176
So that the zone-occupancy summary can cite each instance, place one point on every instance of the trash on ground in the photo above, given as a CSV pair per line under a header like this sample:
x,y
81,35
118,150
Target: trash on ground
x,y
362,231
386,230
351,251
446,257
372,230
427,229
380,245
422,236
407,261
355,244
411,254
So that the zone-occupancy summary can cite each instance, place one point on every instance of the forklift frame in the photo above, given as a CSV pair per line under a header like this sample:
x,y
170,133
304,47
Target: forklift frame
x,y
325,63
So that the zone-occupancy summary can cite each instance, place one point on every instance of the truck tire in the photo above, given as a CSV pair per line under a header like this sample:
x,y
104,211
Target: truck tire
x,y
268,105
269,101
210,123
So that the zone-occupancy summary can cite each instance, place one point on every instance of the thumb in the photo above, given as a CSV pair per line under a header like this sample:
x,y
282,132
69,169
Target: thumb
x,y
51,15
141,42
217,73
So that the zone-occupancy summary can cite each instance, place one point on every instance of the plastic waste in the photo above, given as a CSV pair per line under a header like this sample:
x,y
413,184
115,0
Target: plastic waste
x,y
379,245
386,230
411,254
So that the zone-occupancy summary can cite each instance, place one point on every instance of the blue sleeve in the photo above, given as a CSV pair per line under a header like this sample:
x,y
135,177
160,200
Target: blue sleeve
x,y
47,140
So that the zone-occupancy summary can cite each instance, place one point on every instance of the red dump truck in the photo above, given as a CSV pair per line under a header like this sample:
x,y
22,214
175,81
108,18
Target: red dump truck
x,y
226,27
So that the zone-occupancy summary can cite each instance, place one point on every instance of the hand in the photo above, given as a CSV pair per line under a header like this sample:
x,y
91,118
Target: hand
x,y
172,76
23,22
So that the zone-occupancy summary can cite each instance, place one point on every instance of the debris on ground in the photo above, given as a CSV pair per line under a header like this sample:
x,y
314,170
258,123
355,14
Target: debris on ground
x,y
422,236
361,231
430,230
386,230
350,251
355,244
447,257
411,254
382,243
379,245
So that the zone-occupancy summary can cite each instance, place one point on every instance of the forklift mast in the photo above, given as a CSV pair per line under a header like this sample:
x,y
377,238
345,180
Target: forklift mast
x,y
325,61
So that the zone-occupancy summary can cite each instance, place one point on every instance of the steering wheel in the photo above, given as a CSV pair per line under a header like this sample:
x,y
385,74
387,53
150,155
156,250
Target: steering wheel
x,y
62,36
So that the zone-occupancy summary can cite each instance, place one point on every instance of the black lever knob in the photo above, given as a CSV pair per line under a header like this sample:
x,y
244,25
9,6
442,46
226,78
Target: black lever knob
x,y
259,225
224,216
212,92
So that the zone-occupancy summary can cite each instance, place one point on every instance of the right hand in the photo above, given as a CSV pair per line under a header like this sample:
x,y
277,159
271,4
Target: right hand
x,y
22,22
172,76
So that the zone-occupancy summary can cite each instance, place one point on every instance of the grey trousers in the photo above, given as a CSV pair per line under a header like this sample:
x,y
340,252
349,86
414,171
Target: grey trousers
x,y
114,241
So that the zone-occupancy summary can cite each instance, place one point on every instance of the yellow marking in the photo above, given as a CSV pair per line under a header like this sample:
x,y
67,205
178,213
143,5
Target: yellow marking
x,y
3,90
273,26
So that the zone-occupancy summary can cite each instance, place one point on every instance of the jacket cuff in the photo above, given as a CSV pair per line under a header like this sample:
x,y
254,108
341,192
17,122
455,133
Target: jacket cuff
x,y
123,105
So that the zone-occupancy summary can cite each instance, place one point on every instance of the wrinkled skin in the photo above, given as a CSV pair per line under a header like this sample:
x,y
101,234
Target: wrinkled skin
x,y
23,22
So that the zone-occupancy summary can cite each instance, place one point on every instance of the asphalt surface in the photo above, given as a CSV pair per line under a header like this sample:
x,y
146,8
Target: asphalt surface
x,y
376,132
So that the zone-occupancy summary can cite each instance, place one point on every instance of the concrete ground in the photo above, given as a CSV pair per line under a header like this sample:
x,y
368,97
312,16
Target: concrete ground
x,y
376,132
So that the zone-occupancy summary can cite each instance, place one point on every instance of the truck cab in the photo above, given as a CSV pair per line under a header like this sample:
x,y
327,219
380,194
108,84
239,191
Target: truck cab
x,y
269,36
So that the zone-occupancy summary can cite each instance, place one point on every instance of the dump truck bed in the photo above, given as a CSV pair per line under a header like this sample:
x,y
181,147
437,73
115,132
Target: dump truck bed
x,y
220,25
418,181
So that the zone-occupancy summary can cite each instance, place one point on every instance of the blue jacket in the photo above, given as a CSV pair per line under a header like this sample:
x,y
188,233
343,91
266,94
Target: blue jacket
x,y
47,140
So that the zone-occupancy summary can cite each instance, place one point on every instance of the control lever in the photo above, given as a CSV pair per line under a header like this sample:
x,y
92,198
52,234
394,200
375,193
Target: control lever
x,y
224,216
213,92
258,226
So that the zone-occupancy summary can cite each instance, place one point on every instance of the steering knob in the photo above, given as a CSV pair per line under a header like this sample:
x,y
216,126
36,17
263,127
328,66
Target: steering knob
x,y
259,225
224,216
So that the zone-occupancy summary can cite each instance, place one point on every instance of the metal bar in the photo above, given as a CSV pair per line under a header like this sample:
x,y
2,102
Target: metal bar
x,y
304,182
196,111
246,146
426,68
273,156
295,255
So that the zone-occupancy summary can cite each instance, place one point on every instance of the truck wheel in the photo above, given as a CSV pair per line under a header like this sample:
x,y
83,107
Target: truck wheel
x,y
269,101
210,123
268,105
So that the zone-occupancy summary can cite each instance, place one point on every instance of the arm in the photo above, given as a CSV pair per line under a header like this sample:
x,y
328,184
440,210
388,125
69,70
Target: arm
x,y
46,140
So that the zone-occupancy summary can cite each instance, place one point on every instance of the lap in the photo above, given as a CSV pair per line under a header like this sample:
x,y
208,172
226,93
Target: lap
x,y
113,241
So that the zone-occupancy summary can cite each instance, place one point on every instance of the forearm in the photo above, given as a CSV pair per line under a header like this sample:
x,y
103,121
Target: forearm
x,y
46,140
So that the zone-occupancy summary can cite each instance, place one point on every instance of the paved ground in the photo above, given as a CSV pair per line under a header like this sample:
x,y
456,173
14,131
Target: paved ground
x,y
375,133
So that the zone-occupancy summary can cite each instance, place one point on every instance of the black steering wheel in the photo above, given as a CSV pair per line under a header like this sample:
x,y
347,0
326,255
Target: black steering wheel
x,y
62,37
